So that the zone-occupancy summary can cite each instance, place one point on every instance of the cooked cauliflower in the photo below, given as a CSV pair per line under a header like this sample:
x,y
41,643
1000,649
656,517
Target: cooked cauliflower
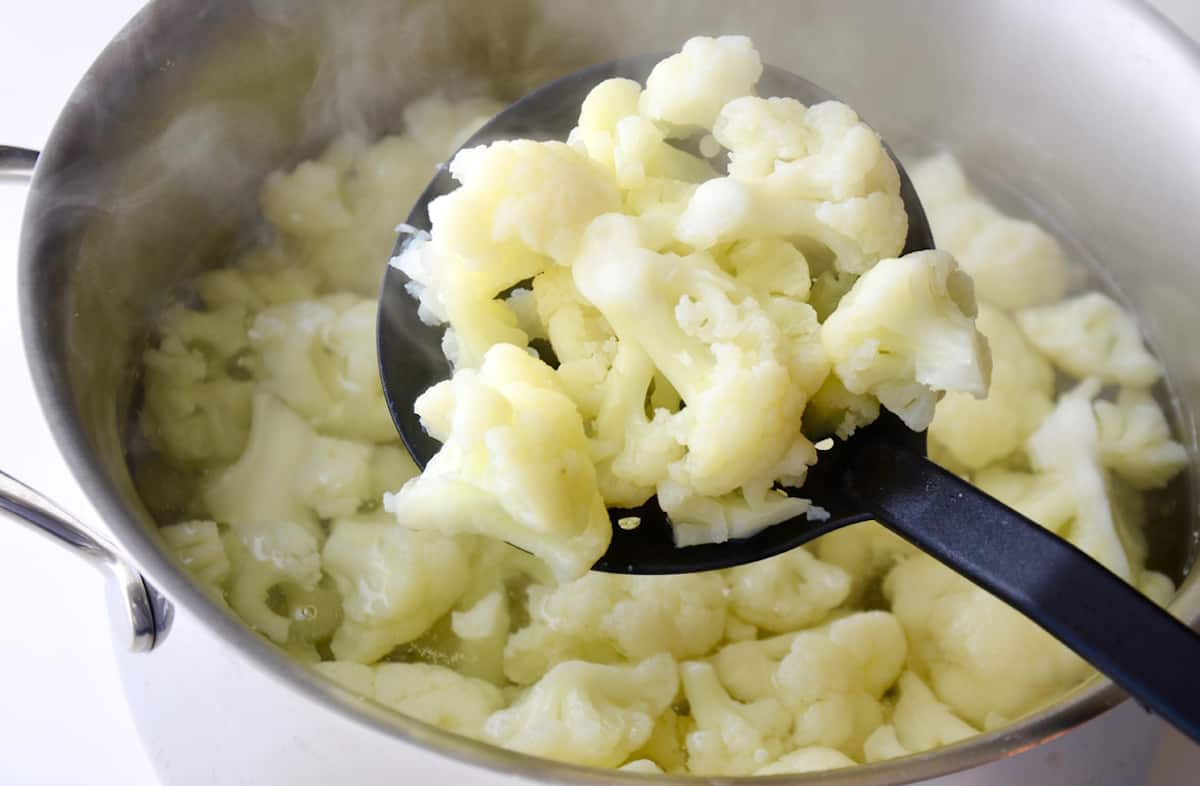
x,y
319,357
266,556
609,617
812,759
973,432
588,713
603,300
395,583
866,552
514,464
1013,263
716,345
1067,446
905,333
433,694
787,592
195,413
198,547
1092,336
261,486
986,662
919,722
1135,440
690,88
831,678
731,737
655,279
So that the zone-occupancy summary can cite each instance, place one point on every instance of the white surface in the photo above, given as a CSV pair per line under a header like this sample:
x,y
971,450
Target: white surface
x,y
64,720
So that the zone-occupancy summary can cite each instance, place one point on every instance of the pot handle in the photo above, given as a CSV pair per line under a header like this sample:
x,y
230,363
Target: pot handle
x,y
17,162
145,612
130,598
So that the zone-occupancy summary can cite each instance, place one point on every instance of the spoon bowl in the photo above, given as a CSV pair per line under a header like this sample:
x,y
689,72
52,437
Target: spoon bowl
x,y
411,357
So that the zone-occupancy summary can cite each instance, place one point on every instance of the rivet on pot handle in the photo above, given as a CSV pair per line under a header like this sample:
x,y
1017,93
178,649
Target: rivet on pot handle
x,y
130,598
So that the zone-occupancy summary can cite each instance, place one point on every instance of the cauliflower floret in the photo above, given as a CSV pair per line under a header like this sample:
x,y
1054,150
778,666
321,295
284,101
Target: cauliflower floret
x,y
194,412
198,547
835,411
334,479
633,148
261,486
976,433
522,207
1042,497
604,616
438,696
388,466
714,343
514,465
987,662
632,451
1068,446
904,333
588,713
787,592
305,201
452,291
471,638
583,343
812,759
831,678
319,357
731,737
865,551
1091,336
1135,440
919,723
770,268
1013,263
739,514
689,88
644,766
338,214
263,277
857,232
517,199
481,630
395,583
821,152
817,175
433,694
440,127
666,747
1156,587
265,556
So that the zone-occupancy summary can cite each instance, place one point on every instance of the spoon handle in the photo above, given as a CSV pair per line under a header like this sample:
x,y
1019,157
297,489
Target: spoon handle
x,y
1138,645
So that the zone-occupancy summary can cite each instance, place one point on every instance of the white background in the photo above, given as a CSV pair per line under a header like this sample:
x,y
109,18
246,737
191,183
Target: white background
x,y
62,715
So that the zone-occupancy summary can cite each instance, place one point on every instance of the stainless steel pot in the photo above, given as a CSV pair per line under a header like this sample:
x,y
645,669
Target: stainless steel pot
x,y
1086,109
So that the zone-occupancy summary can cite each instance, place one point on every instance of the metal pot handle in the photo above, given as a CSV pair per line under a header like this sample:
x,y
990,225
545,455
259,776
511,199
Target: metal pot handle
x,y
17,162
129,595
130,598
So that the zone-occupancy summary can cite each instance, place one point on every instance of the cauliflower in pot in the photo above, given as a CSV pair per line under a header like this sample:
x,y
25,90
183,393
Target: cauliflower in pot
x,y
707,327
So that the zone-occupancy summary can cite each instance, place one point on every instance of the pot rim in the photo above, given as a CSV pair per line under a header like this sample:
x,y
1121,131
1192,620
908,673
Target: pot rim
x,y
58,407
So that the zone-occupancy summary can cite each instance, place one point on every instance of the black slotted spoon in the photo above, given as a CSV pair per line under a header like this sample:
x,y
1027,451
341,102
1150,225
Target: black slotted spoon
x,y
881,473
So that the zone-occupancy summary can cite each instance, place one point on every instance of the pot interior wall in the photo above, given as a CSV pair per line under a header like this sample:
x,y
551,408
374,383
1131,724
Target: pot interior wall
x,y
152,173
